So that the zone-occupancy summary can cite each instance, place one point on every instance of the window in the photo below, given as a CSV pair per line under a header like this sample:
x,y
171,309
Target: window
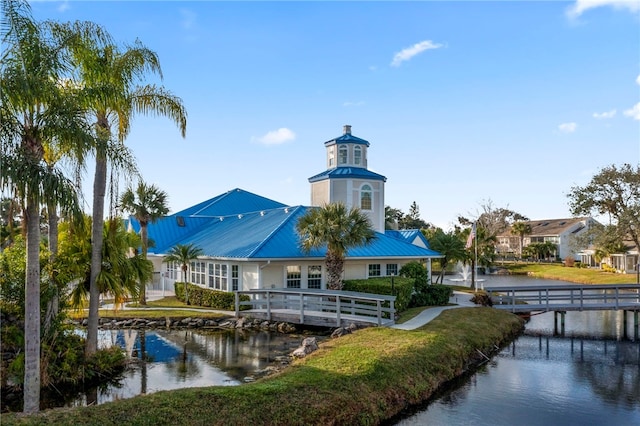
x,y
392,269
314,279
293,276
235,278
218,276
365,197
357,155
211,275
172,270
331,159
342,154
198,271
374,270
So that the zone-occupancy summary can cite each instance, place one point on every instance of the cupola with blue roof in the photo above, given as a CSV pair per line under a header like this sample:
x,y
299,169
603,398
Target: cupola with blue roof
x,y
348,180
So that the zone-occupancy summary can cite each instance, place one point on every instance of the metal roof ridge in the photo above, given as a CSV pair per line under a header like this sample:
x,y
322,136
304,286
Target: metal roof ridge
x,y
238,214
290,213
216,199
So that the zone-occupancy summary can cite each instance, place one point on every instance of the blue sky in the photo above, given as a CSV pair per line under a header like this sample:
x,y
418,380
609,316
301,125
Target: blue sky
x,y
464,103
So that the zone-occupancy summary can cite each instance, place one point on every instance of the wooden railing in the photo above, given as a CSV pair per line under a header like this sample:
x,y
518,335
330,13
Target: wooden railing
x,y
317,307
573,297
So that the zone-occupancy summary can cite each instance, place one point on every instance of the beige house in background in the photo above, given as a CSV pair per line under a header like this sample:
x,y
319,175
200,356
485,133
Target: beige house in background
x,y
561,232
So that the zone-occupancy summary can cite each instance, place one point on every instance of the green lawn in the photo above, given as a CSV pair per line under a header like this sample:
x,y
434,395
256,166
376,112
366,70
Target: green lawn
x,y
572,274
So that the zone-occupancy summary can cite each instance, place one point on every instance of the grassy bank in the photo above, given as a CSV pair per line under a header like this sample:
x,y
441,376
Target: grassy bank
x,y
362,378
576,275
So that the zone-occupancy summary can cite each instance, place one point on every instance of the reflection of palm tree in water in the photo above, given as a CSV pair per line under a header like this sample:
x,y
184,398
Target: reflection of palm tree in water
x,y
143,362
184,365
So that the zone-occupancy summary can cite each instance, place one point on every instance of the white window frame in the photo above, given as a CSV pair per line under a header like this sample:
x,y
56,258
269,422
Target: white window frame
x,y
198,272
343,154
293,276
366,194
314,275
357,155
374,267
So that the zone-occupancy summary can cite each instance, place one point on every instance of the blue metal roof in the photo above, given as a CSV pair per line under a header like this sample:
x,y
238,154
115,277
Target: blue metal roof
x,y
231,202
347,172
271,235
347,138
408,235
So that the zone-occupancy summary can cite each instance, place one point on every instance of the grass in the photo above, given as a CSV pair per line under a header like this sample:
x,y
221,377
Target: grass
x,y
576,275
363,378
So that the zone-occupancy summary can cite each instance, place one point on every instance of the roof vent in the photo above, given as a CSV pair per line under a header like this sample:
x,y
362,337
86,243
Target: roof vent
x,y
262,213
221,218
180,221
346,129
286,210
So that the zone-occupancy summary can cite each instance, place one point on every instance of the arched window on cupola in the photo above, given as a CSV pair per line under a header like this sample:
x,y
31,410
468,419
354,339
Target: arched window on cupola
x,y
357,156
342,154
365,197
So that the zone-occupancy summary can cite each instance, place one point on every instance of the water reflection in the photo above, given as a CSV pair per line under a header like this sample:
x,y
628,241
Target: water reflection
x,y
174,359
543,380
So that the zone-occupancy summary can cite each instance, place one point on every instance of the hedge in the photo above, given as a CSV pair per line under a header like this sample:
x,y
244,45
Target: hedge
x,y
403,289
199,296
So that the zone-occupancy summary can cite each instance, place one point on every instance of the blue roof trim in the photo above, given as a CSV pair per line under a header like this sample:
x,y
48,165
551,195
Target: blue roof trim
x,y
347,172
347,138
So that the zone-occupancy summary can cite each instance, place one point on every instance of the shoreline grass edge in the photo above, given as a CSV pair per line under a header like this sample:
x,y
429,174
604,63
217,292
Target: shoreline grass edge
x,y
364,378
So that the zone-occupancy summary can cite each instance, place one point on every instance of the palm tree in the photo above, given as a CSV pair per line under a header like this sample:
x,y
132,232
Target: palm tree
x,y
147,204
339,228
122,272
113,79
521,229
34,110
450,246
184,254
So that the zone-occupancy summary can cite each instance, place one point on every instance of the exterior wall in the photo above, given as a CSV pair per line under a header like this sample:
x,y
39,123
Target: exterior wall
x,y
348,192
320,193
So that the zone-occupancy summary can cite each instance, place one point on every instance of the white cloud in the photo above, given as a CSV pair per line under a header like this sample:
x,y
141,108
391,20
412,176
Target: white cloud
x,y
188,19
275,137
606,114
638,80
410,52
64,6
568,127
350,104
581,6
634,112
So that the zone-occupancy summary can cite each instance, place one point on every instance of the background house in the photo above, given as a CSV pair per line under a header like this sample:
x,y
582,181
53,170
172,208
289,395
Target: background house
x,y
250,241
560,232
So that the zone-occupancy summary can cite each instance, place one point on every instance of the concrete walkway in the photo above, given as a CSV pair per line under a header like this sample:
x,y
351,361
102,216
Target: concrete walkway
x,y
459,299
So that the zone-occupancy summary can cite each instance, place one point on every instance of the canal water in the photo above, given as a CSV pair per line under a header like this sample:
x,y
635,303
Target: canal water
x,y
589,376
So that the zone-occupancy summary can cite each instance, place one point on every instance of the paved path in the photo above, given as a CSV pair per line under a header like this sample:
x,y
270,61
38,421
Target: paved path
x,y
459,299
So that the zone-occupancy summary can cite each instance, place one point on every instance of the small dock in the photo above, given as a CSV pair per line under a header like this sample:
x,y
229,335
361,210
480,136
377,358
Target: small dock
x,y
326,308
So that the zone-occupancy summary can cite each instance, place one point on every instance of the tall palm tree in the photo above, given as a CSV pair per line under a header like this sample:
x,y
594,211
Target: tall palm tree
x,y
34,110
114,81
147,204
450,246
340,229
521,229
184,254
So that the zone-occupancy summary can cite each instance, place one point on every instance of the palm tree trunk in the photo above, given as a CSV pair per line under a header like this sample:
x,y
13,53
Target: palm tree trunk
x,y
31,389
335,266
145,241
99,189
53,304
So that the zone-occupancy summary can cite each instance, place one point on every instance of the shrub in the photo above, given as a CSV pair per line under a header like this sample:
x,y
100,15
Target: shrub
x,y
215,299
432,295
403,288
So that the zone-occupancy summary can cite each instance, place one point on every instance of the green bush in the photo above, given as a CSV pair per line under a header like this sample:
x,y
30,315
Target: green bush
x,y
433,295
215,299
402,289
